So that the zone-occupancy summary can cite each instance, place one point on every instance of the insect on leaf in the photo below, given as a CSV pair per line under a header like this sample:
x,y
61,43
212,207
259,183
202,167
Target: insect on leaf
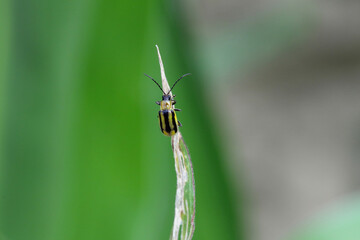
x,y
184,219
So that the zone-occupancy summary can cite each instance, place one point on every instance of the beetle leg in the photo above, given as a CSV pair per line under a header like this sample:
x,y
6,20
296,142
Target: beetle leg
x,y
176,109
180,125
157,102
174,96
173,102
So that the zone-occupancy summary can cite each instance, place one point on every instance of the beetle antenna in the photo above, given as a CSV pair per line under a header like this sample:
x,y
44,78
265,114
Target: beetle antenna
x,y
155,82
178,80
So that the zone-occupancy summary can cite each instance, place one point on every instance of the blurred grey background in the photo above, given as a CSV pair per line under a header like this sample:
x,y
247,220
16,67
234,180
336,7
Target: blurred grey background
x,y
284,79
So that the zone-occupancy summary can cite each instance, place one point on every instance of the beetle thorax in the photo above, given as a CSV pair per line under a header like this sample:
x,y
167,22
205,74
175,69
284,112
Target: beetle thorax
x,y
165,105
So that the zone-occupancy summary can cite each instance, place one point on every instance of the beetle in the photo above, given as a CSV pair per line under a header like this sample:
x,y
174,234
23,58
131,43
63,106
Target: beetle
x,y
169,124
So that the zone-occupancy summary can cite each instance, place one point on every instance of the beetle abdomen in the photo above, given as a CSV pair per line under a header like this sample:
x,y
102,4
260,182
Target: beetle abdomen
x,y
168,122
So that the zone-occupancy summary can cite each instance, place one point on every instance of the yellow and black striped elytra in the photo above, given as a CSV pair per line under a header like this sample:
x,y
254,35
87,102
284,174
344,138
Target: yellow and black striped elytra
x,y
169,124
168,121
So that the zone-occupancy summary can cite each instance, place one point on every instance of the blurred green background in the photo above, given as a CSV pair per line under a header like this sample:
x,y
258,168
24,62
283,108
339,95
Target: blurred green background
x,y
82,154
270,114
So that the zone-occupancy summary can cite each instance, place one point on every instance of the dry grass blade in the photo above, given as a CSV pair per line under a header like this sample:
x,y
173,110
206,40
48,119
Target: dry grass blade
x,y
185,193
184,219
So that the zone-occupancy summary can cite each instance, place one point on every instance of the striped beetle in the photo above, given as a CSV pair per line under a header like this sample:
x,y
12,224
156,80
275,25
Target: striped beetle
x,y
167,117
